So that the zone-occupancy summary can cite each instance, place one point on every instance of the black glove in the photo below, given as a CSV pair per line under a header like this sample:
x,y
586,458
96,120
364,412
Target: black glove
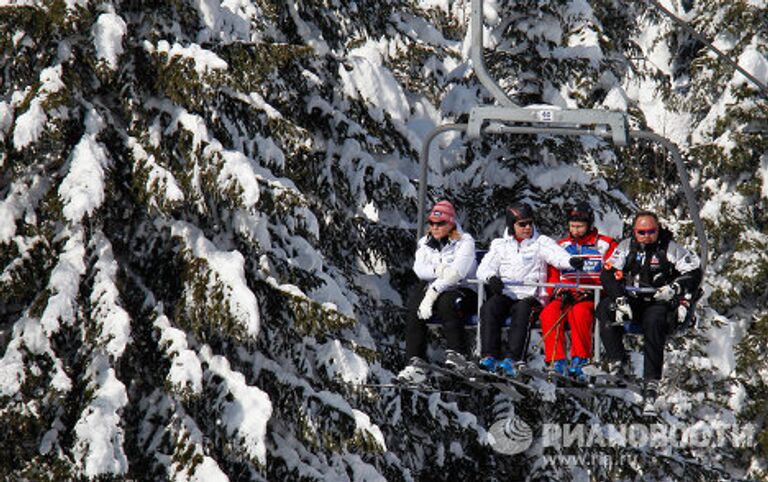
x,y
494,286
576,263
566,297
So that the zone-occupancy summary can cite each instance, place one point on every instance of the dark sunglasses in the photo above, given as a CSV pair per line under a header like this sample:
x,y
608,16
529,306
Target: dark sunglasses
x,y
523,224
644,232
437,223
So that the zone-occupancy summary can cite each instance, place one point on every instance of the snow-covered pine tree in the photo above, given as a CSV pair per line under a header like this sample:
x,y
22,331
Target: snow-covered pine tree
x,y
730,142
207,213
198,201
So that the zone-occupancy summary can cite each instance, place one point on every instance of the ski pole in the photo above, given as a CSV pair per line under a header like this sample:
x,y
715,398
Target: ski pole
x,y
557,323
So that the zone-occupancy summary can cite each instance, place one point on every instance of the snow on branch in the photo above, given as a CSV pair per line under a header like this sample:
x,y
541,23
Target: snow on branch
x,y
236,176
312,316
204,61
27,248
371,80
357,164
342,361
221,276
6,120
160,187
178,436
64,283
31,124
245,409
22,198
113,320
108,33
186,373
364,428
98,447
237,173
82,190
29,336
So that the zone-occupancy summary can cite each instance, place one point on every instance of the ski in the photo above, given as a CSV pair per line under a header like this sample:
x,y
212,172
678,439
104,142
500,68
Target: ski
x,y
597,381
474,378
561,384
605,380
478,372
414,387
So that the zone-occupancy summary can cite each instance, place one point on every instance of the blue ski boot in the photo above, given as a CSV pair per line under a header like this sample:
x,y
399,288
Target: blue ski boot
x,y
576,370
507,367
488,364
560,367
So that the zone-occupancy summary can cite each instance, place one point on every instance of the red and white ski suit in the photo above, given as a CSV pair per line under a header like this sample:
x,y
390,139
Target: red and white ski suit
x,y
595,248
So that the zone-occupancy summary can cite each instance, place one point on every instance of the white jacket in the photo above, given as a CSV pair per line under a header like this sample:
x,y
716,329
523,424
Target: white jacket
x,y
522,262
448,267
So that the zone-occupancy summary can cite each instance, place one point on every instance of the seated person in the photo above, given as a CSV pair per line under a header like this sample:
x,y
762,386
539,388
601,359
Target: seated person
x,y
520,256
445,257
575,306
649,259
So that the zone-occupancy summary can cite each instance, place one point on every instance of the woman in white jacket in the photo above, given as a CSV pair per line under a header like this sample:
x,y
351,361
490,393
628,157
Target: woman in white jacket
x,y
445,257
513,262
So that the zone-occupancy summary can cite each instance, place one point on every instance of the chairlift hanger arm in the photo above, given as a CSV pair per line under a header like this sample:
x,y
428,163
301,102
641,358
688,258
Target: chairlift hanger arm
x,y
424,171
476,54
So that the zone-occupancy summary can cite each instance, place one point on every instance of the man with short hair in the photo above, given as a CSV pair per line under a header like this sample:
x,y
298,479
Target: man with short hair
x,y
663,271
576,307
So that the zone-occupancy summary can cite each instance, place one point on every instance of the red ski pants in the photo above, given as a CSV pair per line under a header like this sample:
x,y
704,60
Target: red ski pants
x,y
579,317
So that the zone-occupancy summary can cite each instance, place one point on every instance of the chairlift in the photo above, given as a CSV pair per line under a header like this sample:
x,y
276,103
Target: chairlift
x,y
509,118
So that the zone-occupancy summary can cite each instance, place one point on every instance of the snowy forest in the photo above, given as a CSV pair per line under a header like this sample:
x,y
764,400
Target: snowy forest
x,y
208,216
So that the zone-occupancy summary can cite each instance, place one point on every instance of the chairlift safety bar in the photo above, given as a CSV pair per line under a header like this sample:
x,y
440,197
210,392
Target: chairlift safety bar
x,y
596,288
481,292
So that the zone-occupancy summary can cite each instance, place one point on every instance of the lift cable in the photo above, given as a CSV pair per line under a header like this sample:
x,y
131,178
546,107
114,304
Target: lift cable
x,y
761,85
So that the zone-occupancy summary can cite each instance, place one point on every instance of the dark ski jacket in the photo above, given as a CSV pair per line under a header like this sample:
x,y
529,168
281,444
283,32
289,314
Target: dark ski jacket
x,y
653,265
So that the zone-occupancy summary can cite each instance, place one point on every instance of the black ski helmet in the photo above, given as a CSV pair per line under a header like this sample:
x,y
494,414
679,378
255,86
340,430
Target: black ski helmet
x,y
518,212
581,211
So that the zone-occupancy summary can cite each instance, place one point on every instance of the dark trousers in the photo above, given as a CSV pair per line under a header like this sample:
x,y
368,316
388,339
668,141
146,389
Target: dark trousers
x,y
652,316
495,310
451,307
